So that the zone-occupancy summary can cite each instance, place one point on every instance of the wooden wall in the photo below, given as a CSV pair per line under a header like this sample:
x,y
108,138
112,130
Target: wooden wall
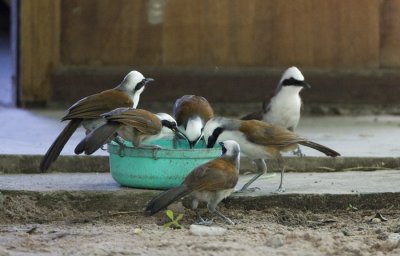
x,y
272,33
202,34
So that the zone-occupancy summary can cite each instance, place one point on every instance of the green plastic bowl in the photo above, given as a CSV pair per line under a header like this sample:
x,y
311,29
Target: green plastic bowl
x,y
138,168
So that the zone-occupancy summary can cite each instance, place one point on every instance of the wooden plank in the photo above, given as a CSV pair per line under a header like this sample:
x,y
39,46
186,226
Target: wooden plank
x,y
308,33
390,34
233,85
38,48
101,33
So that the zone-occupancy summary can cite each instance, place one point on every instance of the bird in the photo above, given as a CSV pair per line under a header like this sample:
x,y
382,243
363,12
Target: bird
x,y
284,107
191,112
135,125
87,111
258,141
210,182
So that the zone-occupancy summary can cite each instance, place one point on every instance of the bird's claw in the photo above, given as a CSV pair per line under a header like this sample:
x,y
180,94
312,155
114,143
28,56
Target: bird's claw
x,y
280,190
298,152
248,190
121,150
154,151
229,221
153,148
204,222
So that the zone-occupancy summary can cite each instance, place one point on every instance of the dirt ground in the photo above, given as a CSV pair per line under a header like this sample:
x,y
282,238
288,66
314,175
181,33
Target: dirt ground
x,y
267,232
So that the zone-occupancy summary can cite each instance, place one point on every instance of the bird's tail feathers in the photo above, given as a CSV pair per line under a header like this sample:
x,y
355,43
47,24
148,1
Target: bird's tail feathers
x,y
166,198
327,151
55,149
97,138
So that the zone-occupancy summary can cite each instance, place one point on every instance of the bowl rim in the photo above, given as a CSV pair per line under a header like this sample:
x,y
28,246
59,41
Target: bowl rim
x,y
171,153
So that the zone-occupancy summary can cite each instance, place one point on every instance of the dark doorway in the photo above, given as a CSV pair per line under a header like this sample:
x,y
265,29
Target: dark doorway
x,y
7,89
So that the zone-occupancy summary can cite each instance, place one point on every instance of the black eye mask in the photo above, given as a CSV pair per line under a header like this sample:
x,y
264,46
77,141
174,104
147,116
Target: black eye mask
x,y
140,85
224,150
295,82
213,138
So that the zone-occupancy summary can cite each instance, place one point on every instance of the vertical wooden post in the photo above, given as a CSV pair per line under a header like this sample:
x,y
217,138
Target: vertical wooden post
x,y
390,34
39,47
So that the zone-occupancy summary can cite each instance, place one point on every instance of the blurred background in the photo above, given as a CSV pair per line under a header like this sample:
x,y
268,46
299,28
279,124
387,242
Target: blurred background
x,y
54,52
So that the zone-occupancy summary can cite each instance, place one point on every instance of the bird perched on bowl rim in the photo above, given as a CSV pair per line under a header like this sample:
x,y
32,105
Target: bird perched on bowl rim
x,y
210,182
258,141
191,112
134,125
284,107
87,111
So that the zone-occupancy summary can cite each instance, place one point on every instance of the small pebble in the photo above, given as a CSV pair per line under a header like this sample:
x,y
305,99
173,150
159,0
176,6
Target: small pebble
x,y
347,232
383,236
375,220
394,237
199,230
275,242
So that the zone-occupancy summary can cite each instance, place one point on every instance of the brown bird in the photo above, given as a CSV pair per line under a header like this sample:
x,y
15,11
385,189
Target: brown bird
x,y
258,141
87,111
210,182
134,125
191,112
284,107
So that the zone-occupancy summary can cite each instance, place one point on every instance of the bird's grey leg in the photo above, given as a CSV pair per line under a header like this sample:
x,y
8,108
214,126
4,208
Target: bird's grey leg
x,y
226,219
298,152
282,167
121,145
261,169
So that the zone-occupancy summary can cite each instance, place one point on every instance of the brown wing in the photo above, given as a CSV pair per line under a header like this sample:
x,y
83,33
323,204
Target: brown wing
x,y
143,120
265,134
94,105
217,174
189,105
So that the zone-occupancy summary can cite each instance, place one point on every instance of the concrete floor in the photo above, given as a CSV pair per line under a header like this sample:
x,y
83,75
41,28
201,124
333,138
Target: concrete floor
x,y
303,183
32,132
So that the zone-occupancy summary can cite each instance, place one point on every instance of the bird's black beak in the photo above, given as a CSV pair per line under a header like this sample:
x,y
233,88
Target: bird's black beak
x,y
180,134
305,84
192,144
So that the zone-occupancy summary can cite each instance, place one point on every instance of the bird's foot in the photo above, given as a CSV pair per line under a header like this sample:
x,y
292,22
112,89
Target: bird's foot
x,y
280,190
153,148
121,150
298,152
121,145
204,222
247,190
229,221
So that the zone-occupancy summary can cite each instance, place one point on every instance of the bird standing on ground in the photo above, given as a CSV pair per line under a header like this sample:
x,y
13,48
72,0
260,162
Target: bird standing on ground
x,y
87,111
210,182
191,112
284,107
258,141
134,125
